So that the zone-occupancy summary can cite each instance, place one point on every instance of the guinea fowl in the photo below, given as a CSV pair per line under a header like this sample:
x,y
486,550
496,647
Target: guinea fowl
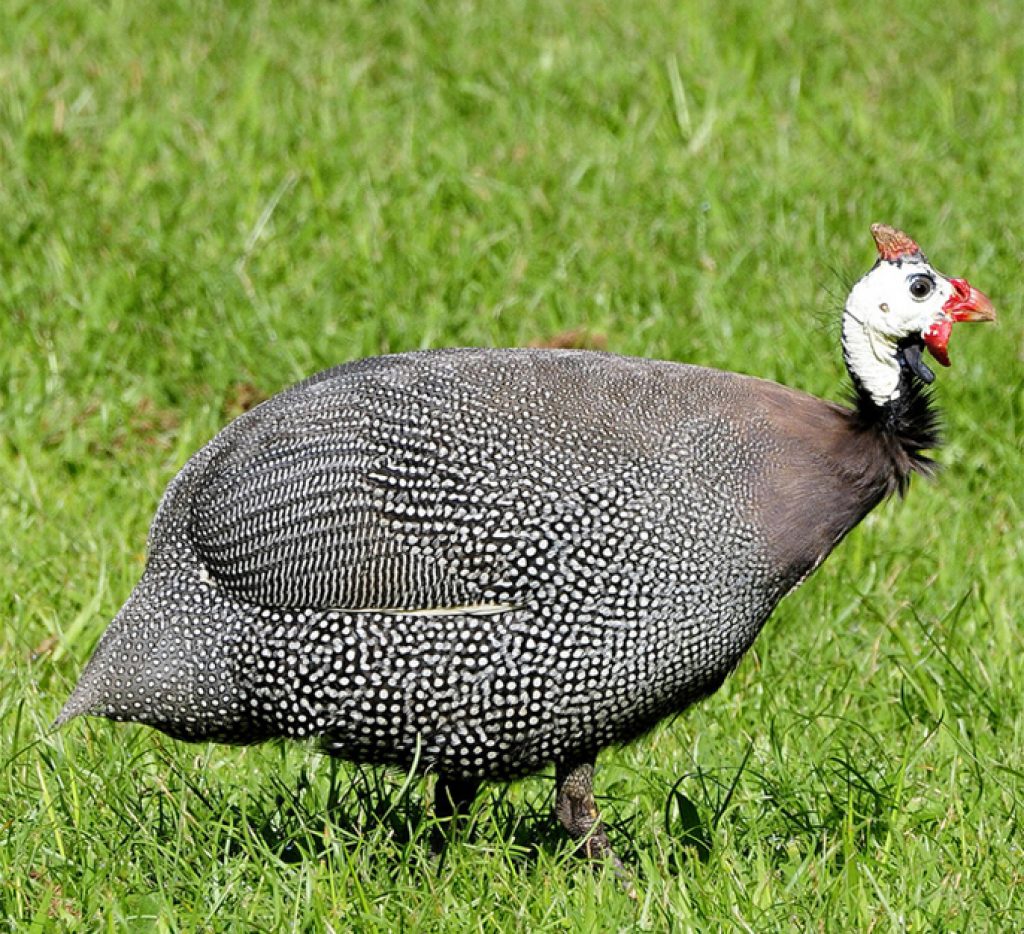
x,y
482,562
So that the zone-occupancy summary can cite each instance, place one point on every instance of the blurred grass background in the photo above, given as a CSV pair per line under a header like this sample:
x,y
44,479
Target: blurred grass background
x,y
204,202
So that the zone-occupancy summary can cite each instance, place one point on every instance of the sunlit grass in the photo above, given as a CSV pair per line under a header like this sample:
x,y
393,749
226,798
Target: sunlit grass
x,y
204,203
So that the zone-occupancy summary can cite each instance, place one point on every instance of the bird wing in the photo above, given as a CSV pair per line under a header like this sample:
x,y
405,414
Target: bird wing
x,y
388,487
468,481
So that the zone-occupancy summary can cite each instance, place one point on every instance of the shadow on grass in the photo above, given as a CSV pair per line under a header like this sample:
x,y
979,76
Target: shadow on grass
x,y
333,812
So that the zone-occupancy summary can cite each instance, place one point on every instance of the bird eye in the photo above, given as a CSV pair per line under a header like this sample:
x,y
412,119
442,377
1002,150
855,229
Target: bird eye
x,y
921,287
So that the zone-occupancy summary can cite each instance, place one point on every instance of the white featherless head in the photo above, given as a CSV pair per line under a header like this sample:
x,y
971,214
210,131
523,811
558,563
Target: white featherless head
x,y
902,305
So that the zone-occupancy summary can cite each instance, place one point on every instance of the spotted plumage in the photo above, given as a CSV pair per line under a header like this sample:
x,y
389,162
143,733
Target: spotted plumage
x,y
488,560
480,562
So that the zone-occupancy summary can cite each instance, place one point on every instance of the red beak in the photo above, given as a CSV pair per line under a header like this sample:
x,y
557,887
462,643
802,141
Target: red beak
x,y
968,304
965,304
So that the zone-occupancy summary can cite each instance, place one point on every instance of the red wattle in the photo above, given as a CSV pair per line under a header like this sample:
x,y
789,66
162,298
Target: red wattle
x,y
936,339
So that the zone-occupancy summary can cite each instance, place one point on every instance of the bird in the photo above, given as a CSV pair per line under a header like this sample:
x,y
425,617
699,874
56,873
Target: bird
x,y
482,562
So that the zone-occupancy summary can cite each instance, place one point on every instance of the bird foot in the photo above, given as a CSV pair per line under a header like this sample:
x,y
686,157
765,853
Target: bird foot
x,y
577,811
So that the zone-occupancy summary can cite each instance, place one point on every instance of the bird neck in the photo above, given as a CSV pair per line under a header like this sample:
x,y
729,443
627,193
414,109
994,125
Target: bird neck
x,y
890,401
906,427
873,361
896,414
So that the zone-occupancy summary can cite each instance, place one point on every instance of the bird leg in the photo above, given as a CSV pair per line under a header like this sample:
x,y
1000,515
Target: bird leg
x,y
577,812
452,800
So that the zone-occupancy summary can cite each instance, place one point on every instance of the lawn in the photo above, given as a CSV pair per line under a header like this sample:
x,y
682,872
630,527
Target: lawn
x,y
203,203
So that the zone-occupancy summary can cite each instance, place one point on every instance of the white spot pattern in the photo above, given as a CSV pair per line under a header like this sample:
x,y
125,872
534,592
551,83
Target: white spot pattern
x,y
578,528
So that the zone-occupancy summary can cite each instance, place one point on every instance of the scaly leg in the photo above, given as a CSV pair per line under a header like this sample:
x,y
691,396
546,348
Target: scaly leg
x,y
577,812
452,800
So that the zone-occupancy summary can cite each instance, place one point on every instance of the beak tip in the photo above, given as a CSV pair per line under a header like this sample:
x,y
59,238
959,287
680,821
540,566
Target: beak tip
x,y
972,306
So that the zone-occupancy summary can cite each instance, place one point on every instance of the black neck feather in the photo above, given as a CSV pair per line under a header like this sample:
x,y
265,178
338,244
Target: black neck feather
x,y
909,426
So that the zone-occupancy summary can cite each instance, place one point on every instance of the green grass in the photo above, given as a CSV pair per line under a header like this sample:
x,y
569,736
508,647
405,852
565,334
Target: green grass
x,y
202,203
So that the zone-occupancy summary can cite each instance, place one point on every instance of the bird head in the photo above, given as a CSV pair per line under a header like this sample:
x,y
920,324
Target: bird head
x,y
902,306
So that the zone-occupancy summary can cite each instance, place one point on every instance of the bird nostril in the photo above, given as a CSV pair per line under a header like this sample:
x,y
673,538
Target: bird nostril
x,y
960,286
